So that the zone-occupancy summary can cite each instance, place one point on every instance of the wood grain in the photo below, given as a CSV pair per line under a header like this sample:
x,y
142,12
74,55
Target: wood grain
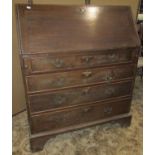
x,y
78,66
74,116
75,28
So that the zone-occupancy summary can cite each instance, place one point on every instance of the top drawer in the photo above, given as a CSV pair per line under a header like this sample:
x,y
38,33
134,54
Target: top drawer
x,y
52,63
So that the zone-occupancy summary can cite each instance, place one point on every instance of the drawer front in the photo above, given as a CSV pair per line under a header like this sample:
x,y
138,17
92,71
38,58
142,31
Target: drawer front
x,y
70,97
61,119
50,63
51,81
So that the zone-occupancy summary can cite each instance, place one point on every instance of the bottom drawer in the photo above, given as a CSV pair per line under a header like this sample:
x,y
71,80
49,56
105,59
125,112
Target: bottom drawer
x,y
69,117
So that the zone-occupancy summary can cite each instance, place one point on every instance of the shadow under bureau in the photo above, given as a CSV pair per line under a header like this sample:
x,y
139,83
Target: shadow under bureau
x,y
79,65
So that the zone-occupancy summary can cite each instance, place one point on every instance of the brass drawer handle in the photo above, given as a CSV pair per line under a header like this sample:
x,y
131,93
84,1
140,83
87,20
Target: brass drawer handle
x,y
58,100
112,56
87,58
87,110
108,110
87,73
82,10
58,63
108,78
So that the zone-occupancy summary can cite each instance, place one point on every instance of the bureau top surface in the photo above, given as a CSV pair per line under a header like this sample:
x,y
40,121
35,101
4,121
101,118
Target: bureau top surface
x,y
57,28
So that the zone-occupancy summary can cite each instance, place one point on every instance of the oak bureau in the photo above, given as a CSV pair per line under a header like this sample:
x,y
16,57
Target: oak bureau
x,y
78,64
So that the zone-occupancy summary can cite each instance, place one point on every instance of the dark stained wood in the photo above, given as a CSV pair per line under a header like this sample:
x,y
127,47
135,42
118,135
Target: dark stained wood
x,y
78,65
51,63
80,77
66,118
52,28
76,96
37,141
